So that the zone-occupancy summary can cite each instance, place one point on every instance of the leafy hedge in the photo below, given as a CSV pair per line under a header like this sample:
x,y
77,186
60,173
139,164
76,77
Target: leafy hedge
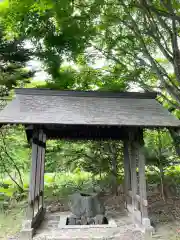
x,y
64,183
56,185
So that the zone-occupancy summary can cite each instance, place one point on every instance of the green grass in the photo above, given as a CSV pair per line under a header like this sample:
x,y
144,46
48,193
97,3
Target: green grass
x,y
57,186
10,222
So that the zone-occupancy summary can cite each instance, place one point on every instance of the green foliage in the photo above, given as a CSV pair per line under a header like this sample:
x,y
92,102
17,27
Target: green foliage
x,y
60,185
13,58
153,177
137,40
159,148
98,30
57,29
84,77
14,155
11,220
69,183
76,165
173,174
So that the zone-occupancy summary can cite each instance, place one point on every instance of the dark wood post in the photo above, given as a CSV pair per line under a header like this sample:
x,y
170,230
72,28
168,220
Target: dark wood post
x,y
138,180
38,140
43,149
127,173
133,154
36,210
32,183
142,183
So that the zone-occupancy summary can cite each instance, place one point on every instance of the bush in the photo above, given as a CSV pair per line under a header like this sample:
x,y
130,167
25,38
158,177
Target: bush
x,y
173,174
62,184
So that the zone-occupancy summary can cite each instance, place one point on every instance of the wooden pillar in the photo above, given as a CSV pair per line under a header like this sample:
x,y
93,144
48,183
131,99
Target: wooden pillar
x,y
127,173
37,142
133,155
145,221
32,182
36,210
142,182
43,149
138,208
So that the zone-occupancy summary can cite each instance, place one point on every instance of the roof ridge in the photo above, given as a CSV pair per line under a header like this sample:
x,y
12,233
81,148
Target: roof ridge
x,y
75,93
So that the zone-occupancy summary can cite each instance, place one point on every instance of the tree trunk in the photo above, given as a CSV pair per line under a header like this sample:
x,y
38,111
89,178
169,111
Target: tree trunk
x,y
161,165
114,169
162,181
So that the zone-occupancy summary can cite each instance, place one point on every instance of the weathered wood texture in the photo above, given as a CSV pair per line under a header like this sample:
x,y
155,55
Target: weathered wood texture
x,y
133,174
36,208
142,178
86,108
42,171
32,184
138,198
127,173
137,189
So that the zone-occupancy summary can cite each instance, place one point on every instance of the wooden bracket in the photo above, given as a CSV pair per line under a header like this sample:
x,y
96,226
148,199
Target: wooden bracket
x,y
39,143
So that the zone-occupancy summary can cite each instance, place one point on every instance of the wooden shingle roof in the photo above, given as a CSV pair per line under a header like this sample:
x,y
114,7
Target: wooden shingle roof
x,y
44,106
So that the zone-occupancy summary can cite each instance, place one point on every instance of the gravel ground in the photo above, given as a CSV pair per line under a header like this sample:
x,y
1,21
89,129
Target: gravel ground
x,y
164,216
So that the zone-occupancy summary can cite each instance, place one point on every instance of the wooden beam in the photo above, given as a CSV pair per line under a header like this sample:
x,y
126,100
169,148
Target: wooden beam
x,y
81,132
38,175
142,177
38,218
127,173
142,183
42,171
36,208
32,184
133,174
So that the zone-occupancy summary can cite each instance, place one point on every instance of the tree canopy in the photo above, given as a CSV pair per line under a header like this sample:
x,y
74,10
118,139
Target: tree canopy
x,y
106,45
13,59
138,39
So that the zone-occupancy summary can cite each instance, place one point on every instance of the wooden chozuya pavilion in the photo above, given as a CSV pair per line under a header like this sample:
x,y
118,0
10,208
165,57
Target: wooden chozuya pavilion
x,y
51,114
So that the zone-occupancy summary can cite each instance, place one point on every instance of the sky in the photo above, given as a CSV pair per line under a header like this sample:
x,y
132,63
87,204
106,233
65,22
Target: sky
x,y
36,65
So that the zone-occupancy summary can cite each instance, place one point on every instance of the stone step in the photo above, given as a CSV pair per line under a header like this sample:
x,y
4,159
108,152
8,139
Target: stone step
x,y
87,238
87,234
157,236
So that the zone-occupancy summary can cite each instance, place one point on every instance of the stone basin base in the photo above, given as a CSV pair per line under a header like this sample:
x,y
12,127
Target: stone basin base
x,y
63,223
119,227
74,220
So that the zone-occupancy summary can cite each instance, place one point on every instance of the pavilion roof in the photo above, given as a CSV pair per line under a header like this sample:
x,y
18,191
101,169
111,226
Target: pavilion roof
x,y
44,106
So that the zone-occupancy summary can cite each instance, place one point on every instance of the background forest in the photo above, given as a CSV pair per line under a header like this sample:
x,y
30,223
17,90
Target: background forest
x,y
105,45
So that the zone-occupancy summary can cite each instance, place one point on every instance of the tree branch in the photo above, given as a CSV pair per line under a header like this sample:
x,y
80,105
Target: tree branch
x,y
5,169
158,37
12,160
176,106
157,11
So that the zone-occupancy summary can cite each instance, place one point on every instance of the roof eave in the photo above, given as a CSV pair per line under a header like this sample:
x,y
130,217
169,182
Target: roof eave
x,y
74,93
